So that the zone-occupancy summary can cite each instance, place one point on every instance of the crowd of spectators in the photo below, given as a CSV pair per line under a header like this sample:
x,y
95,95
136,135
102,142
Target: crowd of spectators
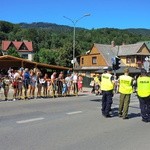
x,y
33,83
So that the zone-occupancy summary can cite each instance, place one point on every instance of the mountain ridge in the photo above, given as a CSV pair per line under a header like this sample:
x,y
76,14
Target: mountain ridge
x,y
139,31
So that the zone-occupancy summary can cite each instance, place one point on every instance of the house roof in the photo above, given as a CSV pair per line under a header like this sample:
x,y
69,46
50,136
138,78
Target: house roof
x,y
11,61
17,45
108,52
131,49
147,44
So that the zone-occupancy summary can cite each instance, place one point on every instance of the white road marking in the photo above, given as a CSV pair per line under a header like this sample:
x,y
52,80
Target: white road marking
x,y
74,112
29,120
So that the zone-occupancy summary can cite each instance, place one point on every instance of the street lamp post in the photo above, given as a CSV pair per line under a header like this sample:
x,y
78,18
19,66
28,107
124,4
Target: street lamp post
x,y
74,34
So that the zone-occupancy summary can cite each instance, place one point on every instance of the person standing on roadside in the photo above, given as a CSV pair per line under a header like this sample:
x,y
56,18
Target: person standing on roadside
x,y
143,92
68,81
125,90
39,84
107,86
6,83
15,84
80,83
75,83
26,82
97,84
33,80
54,84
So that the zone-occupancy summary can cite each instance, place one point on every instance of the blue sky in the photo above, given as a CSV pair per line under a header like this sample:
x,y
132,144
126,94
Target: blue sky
x,y
104,13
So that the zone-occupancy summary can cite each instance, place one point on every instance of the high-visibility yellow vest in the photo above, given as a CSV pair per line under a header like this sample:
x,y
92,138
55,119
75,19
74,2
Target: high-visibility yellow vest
x,y
125,86
106,83
143,86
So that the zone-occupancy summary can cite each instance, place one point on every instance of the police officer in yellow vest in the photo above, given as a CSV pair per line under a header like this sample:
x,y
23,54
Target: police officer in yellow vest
x,y
107,85
143,91
125,90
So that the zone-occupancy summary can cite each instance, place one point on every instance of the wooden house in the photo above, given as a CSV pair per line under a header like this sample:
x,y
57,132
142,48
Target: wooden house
x,y
101,55
133,55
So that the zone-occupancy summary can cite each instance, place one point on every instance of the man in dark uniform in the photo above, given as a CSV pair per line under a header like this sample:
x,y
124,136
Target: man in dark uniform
x,y
107,86
143,91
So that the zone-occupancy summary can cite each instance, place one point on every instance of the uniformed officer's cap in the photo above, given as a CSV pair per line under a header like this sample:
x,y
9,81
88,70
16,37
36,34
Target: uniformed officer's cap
x,y
126,70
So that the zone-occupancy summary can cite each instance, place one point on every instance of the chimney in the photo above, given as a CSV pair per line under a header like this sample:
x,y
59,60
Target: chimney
x,y
112,43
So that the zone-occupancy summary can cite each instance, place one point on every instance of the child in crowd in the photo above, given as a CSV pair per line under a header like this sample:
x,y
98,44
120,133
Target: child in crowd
x,y
64,88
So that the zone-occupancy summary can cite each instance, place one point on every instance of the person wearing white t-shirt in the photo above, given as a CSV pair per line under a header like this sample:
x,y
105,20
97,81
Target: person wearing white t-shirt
x,y
75,83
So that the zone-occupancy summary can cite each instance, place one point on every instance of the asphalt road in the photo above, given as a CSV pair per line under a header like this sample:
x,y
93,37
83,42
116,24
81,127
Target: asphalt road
x,y
70,123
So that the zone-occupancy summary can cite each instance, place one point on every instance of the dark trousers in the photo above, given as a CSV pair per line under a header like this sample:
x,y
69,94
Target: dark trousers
x,y
145,108
106,102
75,88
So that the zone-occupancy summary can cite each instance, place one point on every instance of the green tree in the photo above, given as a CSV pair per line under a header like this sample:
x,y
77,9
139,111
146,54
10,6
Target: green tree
x,y
3,36
52,43
65,55
13,52
36,57
6,26
48,56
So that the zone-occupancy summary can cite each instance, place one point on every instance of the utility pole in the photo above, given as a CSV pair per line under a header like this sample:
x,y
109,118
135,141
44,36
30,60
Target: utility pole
x,y
74,35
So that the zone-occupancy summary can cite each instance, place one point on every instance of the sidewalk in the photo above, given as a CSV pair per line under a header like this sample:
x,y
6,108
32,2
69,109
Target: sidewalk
x,y
86,90
10,95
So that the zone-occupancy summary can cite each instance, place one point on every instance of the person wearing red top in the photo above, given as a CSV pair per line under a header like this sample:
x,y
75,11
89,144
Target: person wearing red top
x,y
80,83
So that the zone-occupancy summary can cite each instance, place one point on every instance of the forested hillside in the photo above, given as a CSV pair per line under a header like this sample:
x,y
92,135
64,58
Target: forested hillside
x,y
53,43
140,31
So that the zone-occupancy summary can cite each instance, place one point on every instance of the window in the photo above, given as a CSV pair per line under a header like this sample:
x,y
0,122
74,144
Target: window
x,y
82,60
130,59
25,56
94,60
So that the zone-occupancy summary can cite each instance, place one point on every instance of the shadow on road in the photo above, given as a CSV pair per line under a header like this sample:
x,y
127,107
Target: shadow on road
x,y
114,112
96,100
133,115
